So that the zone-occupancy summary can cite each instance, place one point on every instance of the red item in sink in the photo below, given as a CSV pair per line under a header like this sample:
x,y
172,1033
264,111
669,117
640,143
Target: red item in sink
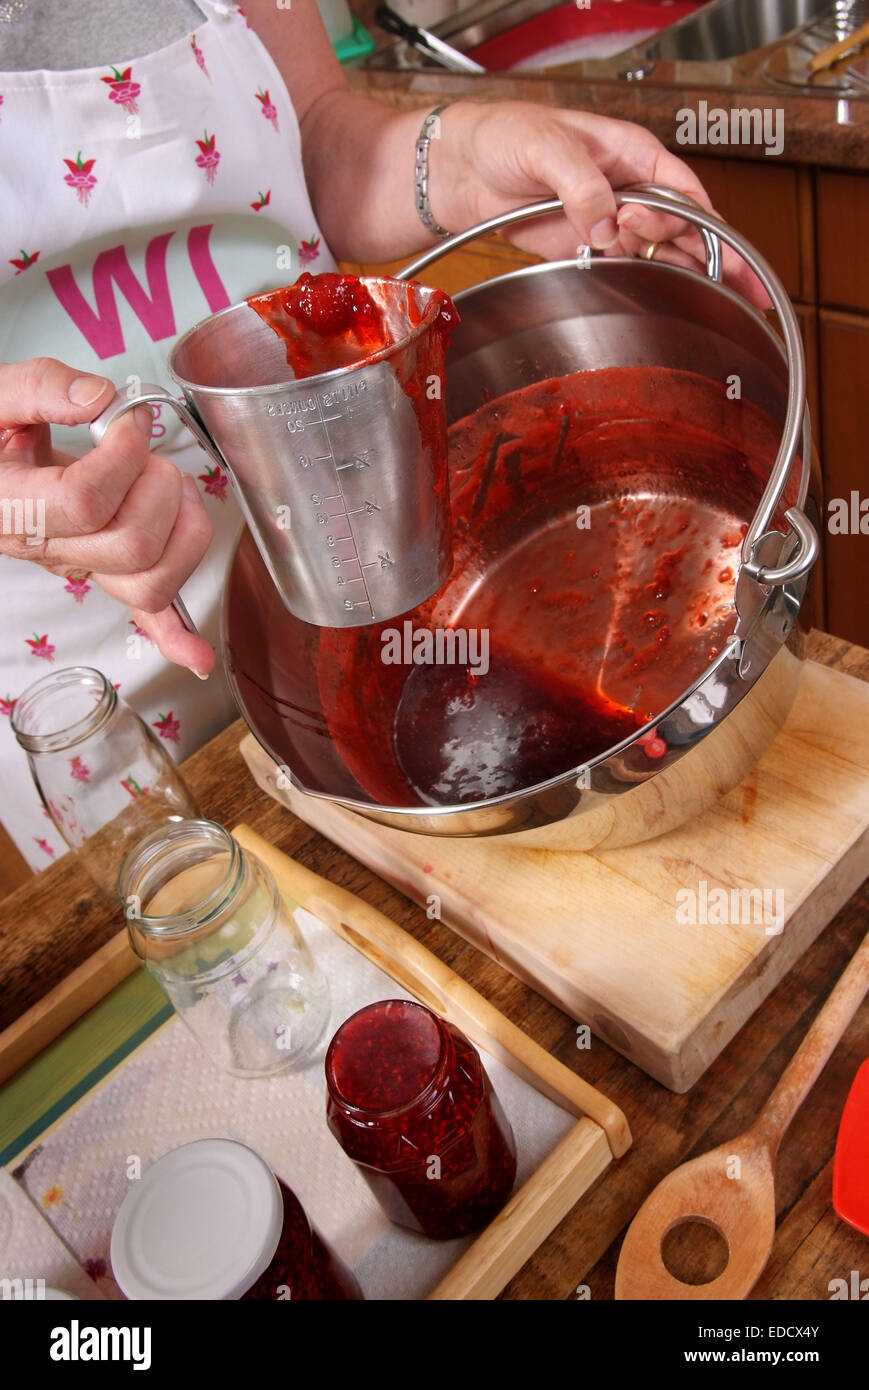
x,y
566,23
851,1163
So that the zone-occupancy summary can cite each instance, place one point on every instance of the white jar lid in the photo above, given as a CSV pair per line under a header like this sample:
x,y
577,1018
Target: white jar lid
x,y
202,1223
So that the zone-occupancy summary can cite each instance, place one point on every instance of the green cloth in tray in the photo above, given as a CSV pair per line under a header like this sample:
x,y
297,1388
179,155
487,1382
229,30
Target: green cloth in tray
x,y
66,1070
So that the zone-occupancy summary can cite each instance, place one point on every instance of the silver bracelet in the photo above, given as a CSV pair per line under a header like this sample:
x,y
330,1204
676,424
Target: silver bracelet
x,y
420,173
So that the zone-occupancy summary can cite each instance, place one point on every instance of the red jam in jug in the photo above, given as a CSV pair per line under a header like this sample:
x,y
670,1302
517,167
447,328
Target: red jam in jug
x,y
410,1103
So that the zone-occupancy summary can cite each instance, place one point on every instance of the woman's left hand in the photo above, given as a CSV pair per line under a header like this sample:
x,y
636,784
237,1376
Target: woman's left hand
x,y
492,157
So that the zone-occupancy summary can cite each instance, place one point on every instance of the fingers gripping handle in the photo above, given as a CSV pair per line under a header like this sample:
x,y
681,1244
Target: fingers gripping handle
x,y
148,394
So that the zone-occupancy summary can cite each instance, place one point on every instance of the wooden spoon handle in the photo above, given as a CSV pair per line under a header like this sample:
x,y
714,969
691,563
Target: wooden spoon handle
x,y
814,1052
828,56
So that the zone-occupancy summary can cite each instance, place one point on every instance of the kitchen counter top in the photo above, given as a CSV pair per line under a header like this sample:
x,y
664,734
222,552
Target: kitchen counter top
x,y
817,129
54,922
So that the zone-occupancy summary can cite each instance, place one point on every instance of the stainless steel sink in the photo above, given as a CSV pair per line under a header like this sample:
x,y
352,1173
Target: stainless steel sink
x,y
729,28
742,44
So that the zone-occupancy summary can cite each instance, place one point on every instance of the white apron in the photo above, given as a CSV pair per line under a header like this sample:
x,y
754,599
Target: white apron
x,y
136,199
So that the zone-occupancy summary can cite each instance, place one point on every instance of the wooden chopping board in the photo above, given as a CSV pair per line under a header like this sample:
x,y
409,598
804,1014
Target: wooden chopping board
x,y
604,934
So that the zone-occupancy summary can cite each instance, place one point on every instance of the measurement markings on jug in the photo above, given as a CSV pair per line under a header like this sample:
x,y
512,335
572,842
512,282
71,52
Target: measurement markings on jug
x,y
342,579
360,460
295,407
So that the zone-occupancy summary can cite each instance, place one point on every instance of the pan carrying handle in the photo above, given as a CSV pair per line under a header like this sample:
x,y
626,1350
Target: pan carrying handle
x,y
146,393
796,429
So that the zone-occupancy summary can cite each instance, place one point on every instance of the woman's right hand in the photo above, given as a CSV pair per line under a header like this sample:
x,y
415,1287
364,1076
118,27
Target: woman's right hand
x,y
121,514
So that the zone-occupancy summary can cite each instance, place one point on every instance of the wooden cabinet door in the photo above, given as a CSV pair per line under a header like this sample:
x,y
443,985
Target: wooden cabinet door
x,y
772,205
843,239
844,357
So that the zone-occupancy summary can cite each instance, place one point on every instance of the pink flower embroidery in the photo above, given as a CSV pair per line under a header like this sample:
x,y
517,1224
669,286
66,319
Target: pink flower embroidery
x,y
132,786
45,847
209,157
121,90
40,646
309,250
264,200
199,56
79,770
168,726
77,587
215,481
140,632
7,705
28,258
80,177
270,111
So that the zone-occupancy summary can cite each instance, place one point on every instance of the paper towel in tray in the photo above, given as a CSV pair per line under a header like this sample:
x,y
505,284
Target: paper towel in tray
x,y
168,1093
31,1250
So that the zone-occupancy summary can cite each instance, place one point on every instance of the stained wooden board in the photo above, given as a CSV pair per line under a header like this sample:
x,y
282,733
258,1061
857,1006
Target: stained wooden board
x,y
597,932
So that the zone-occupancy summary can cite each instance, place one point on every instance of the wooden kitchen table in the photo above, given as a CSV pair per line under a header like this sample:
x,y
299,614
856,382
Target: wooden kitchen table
x,y
52,923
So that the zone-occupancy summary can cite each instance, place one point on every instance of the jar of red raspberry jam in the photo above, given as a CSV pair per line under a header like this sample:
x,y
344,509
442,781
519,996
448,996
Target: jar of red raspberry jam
x,y
211,1221
410,1103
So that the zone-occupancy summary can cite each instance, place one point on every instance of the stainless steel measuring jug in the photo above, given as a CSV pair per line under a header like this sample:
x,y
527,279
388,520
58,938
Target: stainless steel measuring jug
x,y
341,476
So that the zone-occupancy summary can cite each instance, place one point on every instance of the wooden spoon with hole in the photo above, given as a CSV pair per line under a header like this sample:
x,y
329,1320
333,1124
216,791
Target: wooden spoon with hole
x,y
733,1187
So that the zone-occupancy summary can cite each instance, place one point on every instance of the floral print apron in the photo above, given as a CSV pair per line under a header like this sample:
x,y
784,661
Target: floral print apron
x,y
137,198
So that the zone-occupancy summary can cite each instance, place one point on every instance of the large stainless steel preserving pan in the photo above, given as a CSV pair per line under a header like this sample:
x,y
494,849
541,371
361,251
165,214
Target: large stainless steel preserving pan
x,y
530,326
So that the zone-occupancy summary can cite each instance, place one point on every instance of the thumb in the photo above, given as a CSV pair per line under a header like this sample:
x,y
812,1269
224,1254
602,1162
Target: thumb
x,y
45,391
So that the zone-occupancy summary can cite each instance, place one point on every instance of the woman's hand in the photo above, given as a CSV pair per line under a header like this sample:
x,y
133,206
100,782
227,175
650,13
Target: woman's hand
x,y
121,514
492,157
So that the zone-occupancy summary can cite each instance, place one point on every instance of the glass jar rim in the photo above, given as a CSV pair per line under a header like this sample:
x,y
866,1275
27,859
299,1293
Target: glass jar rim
x,y
424,1097
70,734
146,851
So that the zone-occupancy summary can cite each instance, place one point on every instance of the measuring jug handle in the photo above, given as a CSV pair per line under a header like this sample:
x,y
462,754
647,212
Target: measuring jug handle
x,y
146,393
796,426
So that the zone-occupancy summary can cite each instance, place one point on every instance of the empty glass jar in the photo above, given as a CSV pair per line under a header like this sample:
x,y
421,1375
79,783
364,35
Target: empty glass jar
x,y
103,776
209,922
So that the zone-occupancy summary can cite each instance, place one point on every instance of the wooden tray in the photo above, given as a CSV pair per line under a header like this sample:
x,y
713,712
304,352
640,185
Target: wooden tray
x,y
600,1135
598,933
